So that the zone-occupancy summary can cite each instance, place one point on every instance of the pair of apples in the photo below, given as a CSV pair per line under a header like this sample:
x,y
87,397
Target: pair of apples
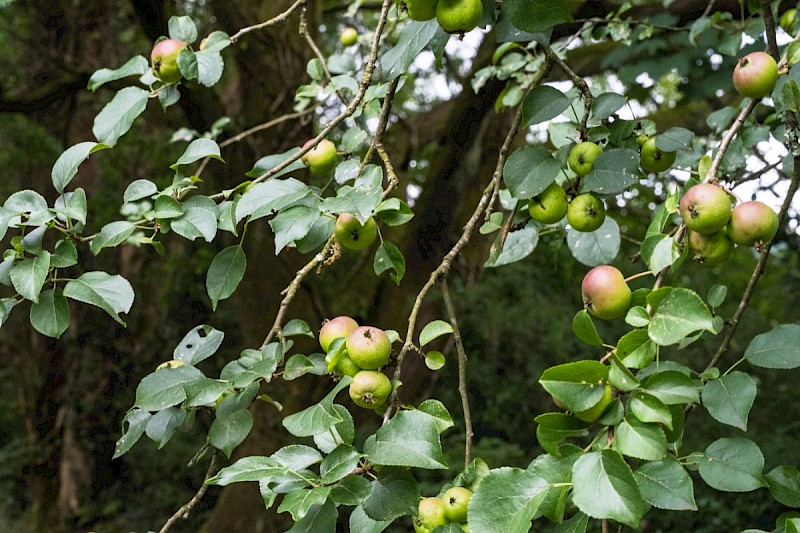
x,y
454,16
451,508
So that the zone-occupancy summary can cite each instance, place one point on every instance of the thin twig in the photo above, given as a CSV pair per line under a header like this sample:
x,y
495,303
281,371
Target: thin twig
x,y
462,374
394,181
580,83
730,135
313,45
383,120
184,511
271,22
769,27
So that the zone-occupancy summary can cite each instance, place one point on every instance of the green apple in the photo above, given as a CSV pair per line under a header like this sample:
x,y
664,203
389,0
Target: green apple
x,y
352,235
370,389
349,36
582,156
164,60
755,75
322,158
705,208
335,328
605,292
418,527
710,249
459,16
346,367
594,412
456,500
752,223
549,206
421,10
431,513
788,20
654,160
369,347
586,212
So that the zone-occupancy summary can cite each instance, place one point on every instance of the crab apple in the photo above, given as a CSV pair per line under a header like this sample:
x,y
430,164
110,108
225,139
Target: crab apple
x,y
370,389
335,328
594,412
605,292
582,156
164,59
654,160
710,249
322,158
549,206
421,10
755,75
788,20
459,16
352,234
456,500
752,223
431,512
705,208
346,367
586,212
369,347
349,36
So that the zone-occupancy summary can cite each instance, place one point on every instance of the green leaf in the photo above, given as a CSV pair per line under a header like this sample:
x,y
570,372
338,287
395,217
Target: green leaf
x,y
216,41
29,275
292,224
167,208
577,524
111,235
612,172
584,329
393,212
438,412
790,95
225,273
598,247
361,199
65,255
648,408
227,432
50,315
352,490
388,257
320,518
672,387
199,219
681,313
529,170
778,348
27,202
183,29
675,139
338,464
205,392
641,440
784,485
666,485
729,399
414,37
716,295
361,523
518,245
579,385
607,104
410,438
536,16
164,387
137,422
733,465
198,344
135,66
117,117
435,360
395,493
635,349
66,166
553,428
299,502
210,66
543,103
660,251
139,190
317,418
72,205
434,330
273,195
506,500
558,473
341,433
604,487
267,163
297,327
112,294
162,425
198,149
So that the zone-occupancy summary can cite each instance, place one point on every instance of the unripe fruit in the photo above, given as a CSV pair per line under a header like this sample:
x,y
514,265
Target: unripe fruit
x,y
348,37
752,223
369,347
456,500
346,367
370,389
550,205
352,235
711,249
164,60
605,292
421,10
593,413
788,20
322,158
705,208
459,16
335,328
654,160
582,156
431,512
586,212
755,75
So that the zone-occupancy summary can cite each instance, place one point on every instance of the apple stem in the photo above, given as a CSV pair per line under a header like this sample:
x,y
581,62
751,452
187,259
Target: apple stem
x,y
730,192
639,275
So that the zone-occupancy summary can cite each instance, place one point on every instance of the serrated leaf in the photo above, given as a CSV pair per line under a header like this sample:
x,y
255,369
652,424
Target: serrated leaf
x,y
183,29
162,425
267,163
66,166
729,398
506,500
338,464
209,67
389,257
606,104
612,172
226,433
675,139
198,344
164,388
299,502
292,224
604,487
529,170
778,348
579,385
666,485
410,438
598,247
198,149
65,255
414,37
732,465
137,422
361,523
320,518
433,330
139,190
784,485
316,418
341,433
71,205
584,329
672,387
111,235
112,294
641,440
543,103
28,275
50,315
199,219
225,273
681,313
536,16
116,118
394,493
135,66
273,195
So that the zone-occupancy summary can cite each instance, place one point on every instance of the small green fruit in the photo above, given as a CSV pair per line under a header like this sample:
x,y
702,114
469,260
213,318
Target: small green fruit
x,y
586,213
582,156
348,37
605,292
459,16
322,158
550,206
352,235
752,223
593,413
705,208
755,75
335,328
456,500
654,160
710,249
346,367
370,389
369,347
421,10
431,513
788,20
164,59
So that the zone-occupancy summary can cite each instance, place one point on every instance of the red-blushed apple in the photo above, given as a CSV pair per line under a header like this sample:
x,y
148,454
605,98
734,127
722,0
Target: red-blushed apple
x,y
352,235
705,208
369,347
459,16
335,328
710,249
605,292
549,206
322,158
755,75
582,156
654,160
752,223
164,60
370,389
586,212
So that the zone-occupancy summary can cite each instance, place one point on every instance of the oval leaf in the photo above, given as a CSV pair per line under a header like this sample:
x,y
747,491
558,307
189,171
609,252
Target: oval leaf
x,y
433,330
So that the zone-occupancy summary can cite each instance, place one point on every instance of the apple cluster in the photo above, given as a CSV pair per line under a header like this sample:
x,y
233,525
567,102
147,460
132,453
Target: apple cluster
x,y
360,353
454,16
451,508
